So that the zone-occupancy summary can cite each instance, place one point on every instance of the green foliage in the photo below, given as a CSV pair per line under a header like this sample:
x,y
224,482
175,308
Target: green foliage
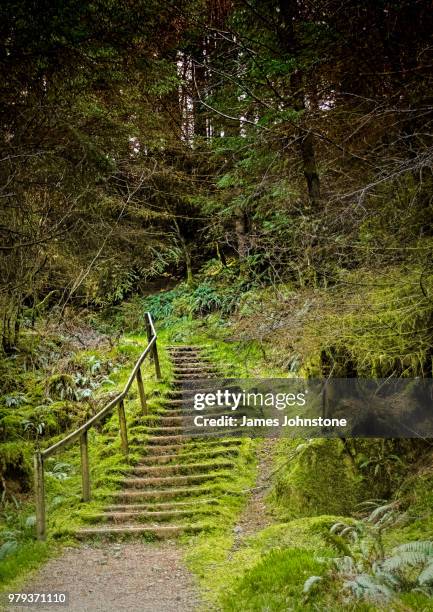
x,y
61,386
365,570
216,290
385,332
15,400
24,558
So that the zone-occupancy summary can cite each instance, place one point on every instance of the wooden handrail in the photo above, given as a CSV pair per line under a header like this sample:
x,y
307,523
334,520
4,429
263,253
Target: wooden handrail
x,y
81,432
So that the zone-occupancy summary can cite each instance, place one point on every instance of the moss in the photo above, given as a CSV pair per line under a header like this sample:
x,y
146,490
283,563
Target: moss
x,y
275,583
415,497
16,466
225,568
385,331
317,480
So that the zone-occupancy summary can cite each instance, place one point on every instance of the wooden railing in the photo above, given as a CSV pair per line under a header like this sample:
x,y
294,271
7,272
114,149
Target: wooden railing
x,y
81,433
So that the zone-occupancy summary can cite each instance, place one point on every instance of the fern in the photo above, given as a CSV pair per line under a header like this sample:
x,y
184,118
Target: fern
x,y
424,546
363,568
404,559
9,547
426,576
365,585
311,582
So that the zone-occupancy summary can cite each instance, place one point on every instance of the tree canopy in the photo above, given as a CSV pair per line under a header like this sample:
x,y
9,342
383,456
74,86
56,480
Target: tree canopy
x,y
141,140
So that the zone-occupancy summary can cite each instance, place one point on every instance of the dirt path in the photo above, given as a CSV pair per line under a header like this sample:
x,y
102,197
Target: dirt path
x,y
135,577
255,515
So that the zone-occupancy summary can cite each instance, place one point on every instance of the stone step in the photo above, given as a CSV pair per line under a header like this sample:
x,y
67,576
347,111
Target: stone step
x,y
158,532
171,493
193,365
175,480
176,401
189,391
180,410
163,449
188,408
196,503
161,430
193,368
186,417
211,454
191,360
194,377
185,347
182,468
167,446
196,372
200,436
187,428
126,516
189,354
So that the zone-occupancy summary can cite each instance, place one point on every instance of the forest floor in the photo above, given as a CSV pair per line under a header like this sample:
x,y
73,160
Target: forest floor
x,y
133,576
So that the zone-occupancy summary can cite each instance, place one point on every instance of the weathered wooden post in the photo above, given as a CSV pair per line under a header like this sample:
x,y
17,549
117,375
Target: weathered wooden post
x,y
141,392
154,353
123,428
148,331
156,360
85,475
38,463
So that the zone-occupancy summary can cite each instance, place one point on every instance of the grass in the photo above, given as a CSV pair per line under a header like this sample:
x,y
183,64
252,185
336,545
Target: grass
x,y
28,557
274,583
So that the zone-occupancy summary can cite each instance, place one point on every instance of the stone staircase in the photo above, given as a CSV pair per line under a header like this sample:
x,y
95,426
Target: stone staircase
x,y
176,486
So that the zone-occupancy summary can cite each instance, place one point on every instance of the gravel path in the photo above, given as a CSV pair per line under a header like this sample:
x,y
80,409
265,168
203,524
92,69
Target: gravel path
x,y
136,577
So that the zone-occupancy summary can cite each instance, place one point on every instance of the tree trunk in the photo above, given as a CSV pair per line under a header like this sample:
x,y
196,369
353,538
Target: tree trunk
x,y
241,228
188,263
309,167
287,35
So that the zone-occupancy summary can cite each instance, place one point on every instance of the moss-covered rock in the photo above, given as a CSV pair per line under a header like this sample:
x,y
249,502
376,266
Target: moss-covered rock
x,y
15,467
318,479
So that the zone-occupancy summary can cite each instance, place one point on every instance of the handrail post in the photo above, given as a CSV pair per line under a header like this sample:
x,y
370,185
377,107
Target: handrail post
x,y
154,352
85,476
122,427
141,392
156,361
39,495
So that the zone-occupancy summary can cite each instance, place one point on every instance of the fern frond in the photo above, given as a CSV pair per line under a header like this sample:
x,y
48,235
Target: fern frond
x,y
365,585
426,576
346,531
404,559
336,527
311,582
380,512
344,565
340,544
424,546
